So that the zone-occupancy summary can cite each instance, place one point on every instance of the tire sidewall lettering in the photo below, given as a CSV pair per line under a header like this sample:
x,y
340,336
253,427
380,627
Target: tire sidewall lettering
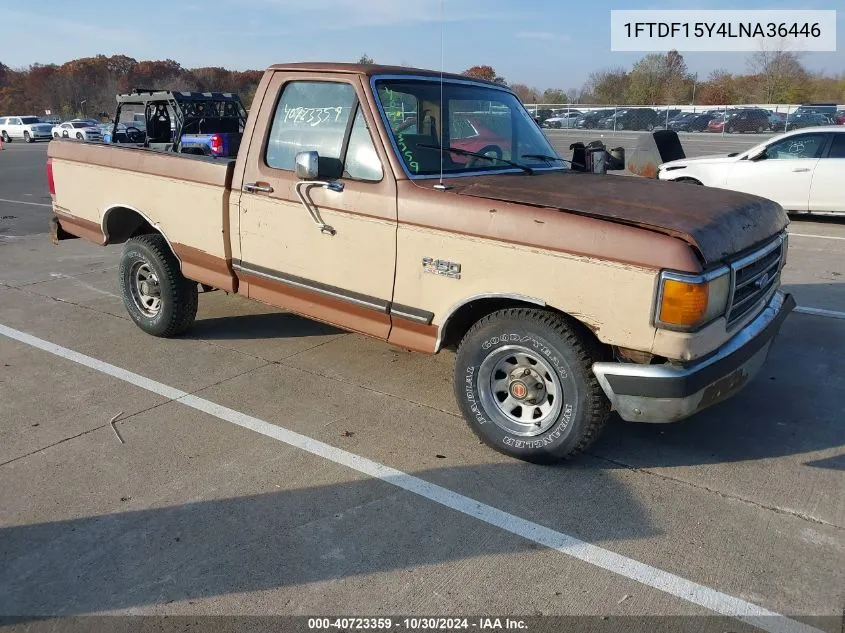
x,y
475,410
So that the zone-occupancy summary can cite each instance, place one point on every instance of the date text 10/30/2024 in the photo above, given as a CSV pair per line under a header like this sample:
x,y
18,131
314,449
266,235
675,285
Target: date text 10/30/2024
x,y
417,624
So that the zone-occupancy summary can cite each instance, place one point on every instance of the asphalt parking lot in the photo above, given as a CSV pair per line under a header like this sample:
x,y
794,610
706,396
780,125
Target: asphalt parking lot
x,y
266,464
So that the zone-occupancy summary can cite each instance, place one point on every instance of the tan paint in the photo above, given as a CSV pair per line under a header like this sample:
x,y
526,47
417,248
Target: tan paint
x,y
188,213
615,304
277,232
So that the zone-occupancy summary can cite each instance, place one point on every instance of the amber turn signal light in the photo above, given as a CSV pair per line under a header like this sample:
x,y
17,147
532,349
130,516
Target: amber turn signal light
x,y
683,304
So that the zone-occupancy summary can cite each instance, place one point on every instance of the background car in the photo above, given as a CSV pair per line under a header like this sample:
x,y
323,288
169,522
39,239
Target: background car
x,y
777,121
473,136
839,117
564,120
807,119
590,120
800,170
79,130
747,120
631,119
26,128
691,122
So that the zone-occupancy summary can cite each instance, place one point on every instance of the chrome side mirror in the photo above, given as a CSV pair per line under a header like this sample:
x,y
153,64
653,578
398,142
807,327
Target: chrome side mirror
x,y
307,165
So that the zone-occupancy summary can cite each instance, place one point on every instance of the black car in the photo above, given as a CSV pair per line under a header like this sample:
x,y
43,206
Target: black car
x,y
828,109
632,119
690,122
806,119
747,120
590,120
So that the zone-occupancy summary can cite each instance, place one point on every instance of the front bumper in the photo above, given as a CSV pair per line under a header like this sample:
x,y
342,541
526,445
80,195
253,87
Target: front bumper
x,y
667,393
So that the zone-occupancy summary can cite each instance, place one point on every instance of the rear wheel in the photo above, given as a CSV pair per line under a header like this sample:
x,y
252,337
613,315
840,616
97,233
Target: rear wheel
x,y
6,138
524,383
157,297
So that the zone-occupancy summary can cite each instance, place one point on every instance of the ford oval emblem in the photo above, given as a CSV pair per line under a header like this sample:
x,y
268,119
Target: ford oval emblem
x,y
761,281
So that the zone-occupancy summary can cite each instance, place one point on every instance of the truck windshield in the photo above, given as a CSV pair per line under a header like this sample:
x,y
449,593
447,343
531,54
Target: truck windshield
x,y
480,120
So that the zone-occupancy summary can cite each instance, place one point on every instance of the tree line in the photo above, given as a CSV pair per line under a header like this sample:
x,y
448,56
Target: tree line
x,y
773,76
87,86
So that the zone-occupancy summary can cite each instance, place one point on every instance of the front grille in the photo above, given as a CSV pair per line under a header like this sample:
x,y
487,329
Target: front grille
x,y
754,279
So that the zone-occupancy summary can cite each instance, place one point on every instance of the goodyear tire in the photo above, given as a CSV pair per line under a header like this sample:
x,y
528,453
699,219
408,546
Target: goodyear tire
x,y
157,297
524,383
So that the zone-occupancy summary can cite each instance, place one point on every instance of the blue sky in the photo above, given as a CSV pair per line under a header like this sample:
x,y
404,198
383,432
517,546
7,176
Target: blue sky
x,y
544,43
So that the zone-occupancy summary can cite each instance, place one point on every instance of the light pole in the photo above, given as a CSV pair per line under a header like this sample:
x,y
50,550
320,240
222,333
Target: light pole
x,y
694,82
82,106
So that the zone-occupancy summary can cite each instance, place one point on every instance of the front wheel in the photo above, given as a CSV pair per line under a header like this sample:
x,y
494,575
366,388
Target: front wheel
x,y
6,138
524,383
26,137
79,136
55,135
157,297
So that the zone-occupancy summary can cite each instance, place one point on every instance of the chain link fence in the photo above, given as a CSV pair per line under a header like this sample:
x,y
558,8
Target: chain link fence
x,y
718,119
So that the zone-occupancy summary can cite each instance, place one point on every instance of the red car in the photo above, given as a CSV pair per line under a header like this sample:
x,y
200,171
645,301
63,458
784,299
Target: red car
x,y
472,136
839,117
717,123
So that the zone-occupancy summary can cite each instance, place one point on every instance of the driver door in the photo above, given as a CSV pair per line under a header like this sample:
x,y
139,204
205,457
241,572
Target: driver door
x,y
344,275
784,173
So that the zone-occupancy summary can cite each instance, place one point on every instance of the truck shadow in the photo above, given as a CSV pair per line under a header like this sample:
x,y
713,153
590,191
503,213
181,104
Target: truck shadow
x,y
793,406
270,325
312,534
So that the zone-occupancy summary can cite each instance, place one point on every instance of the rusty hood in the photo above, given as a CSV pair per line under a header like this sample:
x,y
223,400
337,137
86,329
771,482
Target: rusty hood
x,y
716,222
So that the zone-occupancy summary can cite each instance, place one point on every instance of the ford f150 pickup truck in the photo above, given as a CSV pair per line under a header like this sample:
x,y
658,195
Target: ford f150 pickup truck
x,y
355,201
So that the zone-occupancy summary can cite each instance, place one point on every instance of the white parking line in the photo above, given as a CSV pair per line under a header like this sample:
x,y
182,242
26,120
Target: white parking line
x,y
833,314
85,285
33,204
616,563
821,237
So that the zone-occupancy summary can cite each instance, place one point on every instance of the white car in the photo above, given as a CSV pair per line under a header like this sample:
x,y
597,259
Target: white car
x,y
802,170
79,130
26,128
565,120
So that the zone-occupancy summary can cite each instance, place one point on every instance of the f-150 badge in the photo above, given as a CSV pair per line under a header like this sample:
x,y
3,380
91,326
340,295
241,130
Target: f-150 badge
x,y
441,267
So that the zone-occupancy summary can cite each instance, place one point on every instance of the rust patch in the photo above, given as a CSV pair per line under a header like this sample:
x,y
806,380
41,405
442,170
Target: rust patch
x,y
644,169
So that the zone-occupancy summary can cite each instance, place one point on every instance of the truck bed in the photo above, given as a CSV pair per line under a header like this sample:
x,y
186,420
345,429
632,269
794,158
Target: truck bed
x,y
93,182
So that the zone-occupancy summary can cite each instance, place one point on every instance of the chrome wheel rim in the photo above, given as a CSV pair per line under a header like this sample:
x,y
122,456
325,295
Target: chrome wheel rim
x,y
146,291
520,390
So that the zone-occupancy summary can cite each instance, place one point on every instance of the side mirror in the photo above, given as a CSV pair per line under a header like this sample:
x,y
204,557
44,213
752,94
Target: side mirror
x,y
307,165
760,154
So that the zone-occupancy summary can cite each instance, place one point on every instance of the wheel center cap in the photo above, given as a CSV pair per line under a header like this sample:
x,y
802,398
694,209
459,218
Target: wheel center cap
x,y
518,389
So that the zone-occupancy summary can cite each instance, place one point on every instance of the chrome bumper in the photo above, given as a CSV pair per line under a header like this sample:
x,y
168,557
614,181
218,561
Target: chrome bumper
x,y
667,393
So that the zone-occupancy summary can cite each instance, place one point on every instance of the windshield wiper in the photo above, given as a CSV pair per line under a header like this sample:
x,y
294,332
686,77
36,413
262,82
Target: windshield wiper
x,y
547,157
463,152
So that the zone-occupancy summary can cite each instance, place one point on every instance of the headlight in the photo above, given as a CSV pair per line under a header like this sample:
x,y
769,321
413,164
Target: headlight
x,y
687,302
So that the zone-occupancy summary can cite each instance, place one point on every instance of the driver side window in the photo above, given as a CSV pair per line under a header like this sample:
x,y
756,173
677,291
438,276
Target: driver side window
x,y
799,146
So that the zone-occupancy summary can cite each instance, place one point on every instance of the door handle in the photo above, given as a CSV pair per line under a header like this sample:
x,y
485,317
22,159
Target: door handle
x,y
800,169
302,192
257,187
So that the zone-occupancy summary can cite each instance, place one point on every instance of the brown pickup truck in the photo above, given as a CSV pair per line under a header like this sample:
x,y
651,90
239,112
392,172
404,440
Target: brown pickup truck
x,y
433,213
